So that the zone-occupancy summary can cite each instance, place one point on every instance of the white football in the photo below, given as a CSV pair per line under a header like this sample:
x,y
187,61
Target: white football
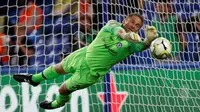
x,y
161,48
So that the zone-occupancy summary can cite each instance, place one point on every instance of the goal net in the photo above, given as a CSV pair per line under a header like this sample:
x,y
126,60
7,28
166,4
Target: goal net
x,y
52,29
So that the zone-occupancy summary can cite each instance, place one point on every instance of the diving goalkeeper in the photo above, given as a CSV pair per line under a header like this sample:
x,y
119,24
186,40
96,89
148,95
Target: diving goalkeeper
x,y
88,65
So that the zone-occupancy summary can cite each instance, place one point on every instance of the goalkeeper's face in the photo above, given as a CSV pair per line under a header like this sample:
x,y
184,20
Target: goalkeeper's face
x,y
132,24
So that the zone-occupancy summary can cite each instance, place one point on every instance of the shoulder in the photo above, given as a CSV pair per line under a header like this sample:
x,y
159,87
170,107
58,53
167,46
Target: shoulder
x,y
113,22
110,25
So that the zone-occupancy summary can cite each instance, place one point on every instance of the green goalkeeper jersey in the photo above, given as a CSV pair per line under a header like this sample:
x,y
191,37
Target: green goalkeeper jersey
x,y
108,49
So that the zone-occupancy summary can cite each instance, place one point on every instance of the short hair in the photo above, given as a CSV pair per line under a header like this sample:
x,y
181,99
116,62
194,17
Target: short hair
x,y
135,14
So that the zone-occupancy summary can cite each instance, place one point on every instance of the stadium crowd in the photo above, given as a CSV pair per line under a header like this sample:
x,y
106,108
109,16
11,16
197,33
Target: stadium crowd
x,y
41,32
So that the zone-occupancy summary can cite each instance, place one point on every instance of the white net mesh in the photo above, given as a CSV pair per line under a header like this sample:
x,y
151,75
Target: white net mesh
x,y
51,30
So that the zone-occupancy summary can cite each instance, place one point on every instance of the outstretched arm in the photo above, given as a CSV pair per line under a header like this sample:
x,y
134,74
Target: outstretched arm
x,y
150,35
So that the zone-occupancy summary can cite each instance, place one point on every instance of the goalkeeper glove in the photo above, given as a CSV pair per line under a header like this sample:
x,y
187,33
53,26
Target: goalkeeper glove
x,y
131,37
151,34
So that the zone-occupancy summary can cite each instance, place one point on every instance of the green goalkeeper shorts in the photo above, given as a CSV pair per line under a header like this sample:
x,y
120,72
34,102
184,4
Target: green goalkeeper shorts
x,y
81,77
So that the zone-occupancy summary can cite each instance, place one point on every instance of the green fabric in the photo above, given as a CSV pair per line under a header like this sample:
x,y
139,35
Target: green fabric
x,y
89,37
73,61
60,5
49,73
167,30
81,77
89,64
108,49
113,27
105,51
60,100
137,47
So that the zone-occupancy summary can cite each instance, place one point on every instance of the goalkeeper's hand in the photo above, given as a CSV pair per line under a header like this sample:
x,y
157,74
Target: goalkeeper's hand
x,y
150,34
130,36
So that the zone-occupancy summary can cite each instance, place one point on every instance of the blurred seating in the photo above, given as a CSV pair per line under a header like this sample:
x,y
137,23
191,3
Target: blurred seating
x,y
191,53
185,10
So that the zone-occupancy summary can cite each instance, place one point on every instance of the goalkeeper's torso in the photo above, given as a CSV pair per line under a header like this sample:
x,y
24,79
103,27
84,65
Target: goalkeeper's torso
x,y
105,51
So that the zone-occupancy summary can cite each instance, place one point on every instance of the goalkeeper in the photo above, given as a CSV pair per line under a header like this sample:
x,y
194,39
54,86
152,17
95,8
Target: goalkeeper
x,y
88,65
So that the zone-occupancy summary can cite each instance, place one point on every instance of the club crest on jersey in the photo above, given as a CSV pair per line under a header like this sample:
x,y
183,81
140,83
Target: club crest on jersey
x,y
119,45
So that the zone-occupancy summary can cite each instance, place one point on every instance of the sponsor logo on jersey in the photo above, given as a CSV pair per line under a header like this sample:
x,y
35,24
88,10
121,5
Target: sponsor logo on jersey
x,y
119,45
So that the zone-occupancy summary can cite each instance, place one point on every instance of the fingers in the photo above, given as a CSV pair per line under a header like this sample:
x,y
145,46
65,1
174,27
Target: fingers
x,y
135,36
131,37
150,28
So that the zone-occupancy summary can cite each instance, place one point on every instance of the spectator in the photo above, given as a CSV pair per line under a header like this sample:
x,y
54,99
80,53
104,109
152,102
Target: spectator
x,y
87,34
71,7
166,24
193,25
192,29
30,18
8,10
132,6
3,22
4,41
116,10
21,48
97,17
67,13
65,7
64,12
86,8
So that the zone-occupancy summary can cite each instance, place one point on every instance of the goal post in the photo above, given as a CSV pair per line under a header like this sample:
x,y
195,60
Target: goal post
x,y
139,83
